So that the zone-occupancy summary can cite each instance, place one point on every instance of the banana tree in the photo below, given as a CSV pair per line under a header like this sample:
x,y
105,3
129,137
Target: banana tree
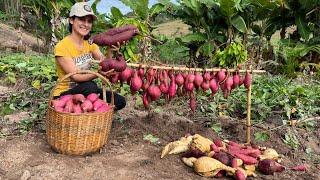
x,y
48,15
213,24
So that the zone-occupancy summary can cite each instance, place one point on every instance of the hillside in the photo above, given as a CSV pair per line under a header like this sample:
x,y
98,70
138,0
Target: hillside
x,y
12,39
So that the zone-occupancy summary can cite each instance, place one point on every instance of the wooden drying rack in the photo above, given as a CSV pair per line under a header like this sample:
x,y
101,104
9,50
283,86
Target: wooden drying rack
x,y
183,68
176,68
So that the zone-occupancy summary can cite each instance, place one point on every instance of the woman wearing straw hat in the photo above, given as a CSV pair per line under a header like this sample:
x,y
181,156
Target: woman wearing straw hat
x,y
74,52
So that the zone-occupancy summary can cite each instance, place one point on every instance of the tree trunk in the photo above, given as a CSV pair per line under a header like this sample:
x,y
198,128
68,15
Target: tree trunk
x,y
283,33
12,8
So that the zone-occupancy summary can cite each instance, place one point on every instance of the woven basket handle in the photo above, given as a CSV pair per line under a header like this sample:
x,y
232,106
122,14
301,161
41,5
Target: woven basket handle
x,y
104,82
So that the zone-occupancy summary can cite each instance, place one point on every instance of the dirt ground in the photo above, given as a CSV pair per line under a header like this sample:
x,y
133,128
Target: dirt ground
x,y
128,156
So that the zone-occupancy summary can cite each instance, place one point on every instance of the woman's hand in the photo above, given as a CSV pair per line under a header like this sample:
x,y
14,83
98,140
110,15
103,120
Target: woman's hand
x,y
117,47
106,74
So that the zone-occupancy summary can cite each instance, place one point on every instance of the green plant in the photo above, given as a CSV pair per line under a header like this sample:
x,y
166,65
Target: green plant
x,y
291,139
232,56
171,52
36,76
270,95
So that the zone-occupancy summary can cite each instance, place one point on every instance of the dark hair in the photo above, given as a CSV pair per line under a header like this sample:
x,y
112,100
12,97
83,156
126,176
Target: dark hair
x,y
86,37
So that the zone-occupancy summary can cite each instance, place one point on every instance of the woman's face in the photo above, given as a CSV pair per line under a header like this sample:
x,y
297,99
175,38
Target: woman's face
x,y
81,25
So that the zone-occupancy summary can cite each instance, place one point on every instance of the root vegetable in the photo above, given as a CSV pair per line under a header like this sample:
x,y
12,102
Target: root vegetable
x,y
269,153
126,75
198,79
218,142
211,153
102,39
189,161
188,86
205,85
214,147
107,64
58,109
220,174
190,78
114,78
164,88
69,106
240,175
87,106
209,167
146,85
213,86
78,98
65,98
97,104
58,103
193,153
222,157
268,167
103,108
77,109
120,63
136,83
245,158
154,92
236,80
121,29
232,143
172,88
141,72
302,167
179,79
193,103
145,100
236,162
150,74
123,37
93,97
201,143
207,76
228,84
221,75
247,80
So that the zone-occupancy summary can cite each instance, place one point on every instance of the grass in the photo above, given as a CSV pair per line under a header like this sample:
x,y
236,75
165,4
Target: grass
x,y
174,28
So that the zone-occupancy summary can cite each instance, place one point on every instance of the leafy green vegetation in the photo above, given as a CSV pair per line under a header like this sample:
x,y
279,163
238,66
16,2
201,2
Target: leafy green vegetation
x,y
288,98
34,77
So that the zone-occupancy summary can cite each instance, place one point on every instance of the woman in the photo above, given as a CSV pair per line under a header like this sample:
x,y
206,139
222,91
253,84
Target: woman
x,y
74,52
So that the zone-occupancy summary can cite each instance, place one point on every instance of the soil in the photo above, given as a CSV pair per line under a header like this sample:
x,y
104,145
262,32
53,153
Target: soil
x,y
128,156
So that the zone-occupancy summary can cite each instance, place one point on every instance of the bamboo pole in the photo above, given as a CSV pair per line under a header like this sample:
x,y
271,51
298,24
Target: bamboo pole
x,y
248,122
183,68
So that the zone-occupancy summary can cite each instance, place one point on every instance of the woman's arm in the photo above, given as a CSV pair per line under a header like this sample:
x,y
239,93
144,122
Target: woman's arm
x,y
69,66
97,55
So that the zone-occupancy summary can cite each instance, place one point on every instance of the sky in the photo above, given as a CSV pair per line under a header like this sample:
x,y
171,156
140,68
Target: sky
x,y
105,5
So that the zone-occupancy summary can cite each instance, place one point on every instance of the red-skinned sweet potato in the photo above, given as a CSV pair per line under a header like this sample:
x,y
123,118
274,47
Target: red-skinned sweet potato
x,y
103,39
117,30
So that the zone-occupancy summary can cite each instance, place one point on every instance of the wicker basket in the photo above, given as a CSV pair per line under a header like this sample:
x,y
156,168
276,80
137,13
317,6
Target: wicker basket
x,y
81,134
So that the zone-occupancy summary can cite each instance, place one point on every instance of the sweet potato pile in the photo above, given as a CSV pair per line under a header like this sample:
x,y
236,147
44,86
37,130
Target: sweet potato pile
x,y
78,103
217,158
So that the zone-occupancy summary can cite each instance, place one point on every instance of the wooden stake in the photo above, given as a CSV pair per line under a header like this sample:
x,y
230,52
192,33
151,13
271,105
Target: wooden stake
x,y
248,123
